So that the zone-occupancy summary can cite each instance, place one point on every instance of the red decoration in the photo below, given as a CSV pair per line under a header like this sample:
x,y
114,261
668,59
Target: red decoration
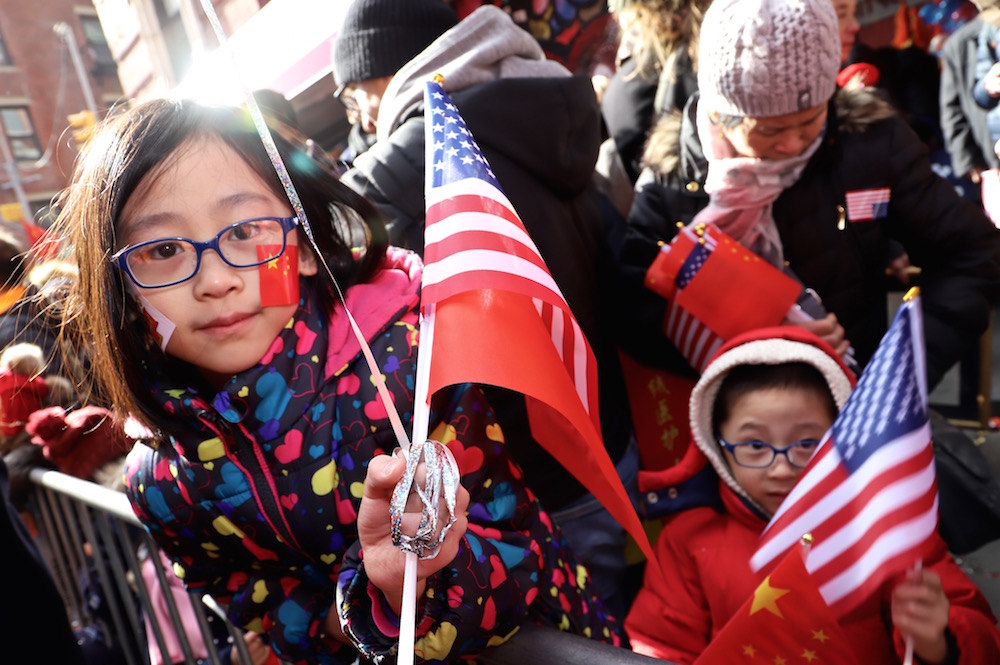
x,y
279,278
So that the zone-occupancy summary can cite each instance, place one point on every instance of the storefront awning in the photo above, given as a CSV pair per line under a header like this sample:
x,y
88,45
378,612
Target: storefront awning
x,y
285,46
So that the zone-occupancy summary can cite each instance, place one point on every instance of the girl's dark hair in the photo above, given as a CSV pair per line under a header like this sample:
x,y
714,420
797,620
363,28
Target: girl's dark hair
x,y
139,144
745,379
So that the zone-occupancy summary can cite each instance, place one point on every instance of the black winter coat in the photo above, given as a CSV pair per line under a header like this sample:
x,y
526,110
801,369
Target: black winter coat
x,y
867,146
541,137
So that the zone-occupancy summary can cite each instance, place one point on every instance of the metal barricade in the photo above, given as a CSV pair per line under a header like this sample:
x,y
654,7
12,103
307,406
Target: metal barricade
x,y
85,529
91,538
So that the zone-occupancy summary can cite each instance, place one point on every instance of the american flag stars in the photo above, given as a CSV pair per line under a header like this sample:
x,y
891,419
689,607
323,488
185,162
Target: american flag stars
x,y
893,405
452,147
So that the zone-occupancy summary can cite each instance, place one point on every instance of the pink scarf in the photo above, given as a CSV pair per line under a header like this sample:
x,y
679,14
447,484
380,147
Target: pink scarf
x,y
743,189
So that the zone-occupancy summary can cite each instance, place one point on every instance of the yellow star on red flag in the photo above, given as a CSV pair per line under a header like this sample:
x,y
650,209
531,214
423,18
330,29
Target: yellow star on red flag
x,y
766,598
785,622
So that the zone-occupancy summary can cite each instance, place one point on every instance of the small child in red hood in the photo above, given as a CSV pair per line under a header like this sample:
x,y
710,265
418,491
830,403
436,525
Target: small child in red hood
x,y
22,388
760,409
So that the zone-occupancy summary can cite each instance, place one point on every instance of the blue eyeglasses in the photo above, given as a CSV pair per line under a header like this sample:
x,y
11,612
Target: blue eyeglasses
x,y
167,261
759,455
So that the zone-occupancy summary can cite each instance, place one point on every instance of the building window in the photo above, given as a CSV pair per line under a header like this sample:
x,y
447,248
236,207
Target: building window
x,y
20,133
97,45
4,54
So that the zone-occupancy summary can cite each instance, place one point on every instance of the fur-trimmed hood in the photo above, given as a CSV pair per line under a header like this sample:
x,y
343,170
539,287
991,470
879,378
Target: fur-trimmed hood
x,y
673,143
767,346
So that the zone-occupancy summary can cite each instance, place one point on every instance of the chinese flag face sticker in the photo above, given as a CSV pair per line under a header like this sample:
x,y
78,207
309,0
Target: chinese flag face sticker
x,y
279,278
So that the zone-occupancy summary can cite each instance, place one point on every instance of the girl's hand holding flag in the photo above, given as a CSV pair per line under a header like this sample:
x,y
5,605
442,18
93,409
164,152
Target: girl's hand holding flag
x,y
384,561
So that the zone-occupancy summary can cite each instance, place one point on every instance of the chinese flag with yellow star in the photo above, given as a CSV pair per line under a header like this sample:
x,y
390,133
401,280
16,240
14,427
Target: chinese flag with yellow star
x,y
279,278
785,621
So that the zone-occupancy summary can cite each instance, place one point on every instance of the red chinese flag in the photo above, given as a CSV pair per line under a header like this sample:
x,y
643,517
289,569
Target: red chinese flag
x,y
500,321
279,278
785,621
659,404
721,283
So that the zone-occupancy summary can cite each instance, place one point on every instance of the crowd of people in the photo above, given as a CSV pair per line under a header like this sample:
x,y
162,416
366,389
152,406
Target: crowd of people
x,y
262,455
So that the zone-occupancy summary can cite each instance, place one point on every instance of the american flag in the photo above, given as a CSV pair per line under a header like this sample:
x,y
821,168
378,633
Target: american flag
x,y
693,338
868,496
495,315
474,240
864,205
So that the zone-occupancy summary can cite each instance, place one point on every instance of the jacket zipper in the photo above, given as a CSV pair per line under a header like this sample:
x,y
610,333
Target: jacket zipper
x,y
254,467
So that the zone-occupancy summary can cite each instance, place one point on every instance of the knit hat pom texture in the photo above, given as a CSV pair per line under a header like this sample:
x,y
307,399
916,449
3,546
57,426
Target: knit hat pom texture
x,y
765,58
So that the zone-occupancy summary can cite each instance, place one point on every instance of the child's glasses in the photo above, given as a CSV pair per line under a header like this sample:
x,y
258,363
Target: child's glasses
x,y
759,455
168,261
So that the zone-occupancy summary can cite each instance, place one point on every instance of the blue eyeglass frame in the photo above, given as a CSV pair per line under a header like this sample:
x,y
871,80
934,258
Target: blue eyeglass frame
x,y
731,447
120,258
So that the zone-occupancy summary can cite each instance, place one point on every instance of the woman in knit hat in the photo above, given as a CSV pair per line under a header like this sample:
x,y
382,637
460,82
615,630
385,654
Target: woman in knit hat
x,y
758,413
815,182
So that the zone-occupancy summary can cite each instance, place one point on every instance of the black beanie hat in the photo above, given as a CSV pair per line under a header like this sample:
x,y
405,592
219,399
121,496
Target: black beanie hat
x,y
378,37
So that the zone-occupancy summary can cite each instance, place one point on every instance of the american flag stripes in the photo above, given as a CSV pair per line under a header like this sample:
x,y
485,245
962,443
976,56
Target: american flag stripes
x,y
865,205
492,313
868,496
474,240
695,340
692,337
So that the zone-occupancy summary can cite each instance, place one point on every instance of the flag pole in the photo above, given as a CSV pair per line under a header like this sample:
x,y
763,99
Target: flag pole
x,y
421,420
908,654
910,295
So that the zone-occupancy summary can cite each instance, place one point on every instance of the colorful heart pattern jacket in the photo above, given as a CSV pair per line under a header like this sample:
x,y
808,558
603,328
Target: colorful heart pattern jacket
x,y
255,496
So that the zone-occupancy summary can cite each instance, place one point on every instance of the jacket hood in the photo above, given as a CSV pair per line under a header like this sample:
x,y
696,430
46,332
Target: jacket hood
x,y
673,144
484,46
559,151
373,305
766,346
497,75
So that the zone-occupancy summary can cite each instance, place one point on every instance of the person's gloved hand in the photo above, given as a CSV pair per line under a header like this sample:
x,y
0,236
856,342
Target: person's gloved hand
x,y
19,463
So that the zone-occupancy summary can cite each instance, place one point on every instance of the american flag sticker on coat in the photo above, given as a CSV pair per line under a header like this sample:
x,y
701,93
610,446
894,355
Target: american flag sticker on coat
x,y
865,205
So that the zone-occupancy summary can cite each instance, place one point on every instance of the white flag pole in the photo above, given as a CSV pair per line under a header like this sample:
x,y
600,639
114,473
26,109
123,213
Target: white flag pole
x,y
421,417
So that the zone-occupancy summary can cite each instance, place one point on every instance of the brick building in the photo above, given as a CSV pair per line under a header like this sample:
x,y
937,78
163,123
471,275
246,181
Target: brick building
x,y
40,85
167,47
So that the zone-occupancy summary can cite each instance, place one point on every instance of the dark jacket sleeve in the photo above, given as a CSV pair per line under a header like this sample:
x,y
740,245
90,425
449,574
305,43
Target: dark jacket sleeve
x,y
953,242
965,153
291,608
660,202
391,175
627,107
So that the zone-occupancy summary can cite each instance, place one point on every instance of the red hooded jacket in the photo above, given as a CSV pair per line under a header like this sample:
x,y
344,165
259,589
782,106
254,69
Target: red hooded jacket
x,y
704,552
